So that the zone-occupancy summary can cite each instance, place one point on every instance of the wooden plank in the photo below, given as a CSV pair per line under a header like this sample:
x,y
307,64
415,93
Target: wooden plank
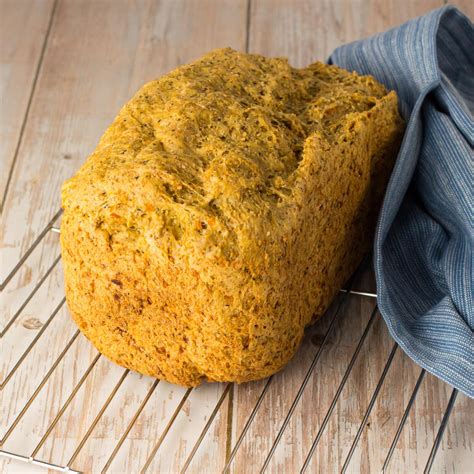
x,y
99,54
309,413
416,441
457,443
20,60
306,31
34,317
78,93
28,280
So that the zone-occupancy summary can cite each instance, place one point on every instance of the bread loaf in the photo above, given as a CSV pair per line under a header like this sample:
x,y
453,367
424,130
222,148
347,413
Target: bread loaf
x,y
222,211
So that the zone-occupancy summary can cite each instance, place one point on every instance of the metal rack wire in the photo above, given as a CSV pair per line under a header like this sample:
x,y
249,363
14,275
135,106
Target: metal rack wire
x,y
32,458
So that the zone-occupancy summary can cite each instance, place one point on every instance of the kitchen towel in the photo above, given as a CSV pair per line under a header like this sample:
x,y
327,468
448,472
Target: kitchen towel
x,y
423,254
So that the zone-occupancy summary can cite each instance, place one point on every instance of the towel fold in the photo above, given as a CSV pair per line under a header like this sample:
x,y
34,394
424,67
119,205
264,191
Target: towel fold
x,y
424,241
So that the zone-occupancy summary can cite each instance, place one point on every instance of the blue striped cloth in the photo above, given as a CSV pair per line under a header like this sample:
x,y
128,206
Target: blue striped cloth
x,y
424,240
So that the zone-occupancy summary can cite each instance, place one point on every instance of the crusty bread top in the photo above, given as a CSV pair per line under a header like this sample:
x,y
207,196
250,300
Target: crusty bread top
x,y
223,210
209,154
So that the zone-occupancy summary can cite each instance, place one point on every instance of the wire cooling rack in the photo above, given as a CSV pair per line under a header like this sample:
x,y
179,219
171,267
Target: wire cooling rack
x,y
21,440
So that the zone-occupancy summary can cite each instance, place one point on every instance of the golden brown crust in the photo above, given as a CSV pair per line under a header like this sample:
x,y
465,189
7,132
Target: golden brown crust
x,y
222,210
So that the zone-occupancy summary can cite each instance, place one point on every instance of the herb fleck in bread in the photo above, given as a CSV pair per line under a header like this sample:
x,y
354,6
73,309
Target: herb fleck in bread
x,y
222,211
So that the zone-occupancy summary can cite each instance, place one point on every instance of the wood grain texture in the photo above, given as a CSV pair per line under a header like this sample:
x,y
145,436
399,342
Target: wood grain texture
x,y
20,59
98,53
306,31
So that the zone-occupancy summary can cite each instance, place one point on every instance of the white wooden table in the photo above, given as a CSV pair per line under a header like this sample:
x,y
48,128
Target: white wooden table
x,y
66,68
